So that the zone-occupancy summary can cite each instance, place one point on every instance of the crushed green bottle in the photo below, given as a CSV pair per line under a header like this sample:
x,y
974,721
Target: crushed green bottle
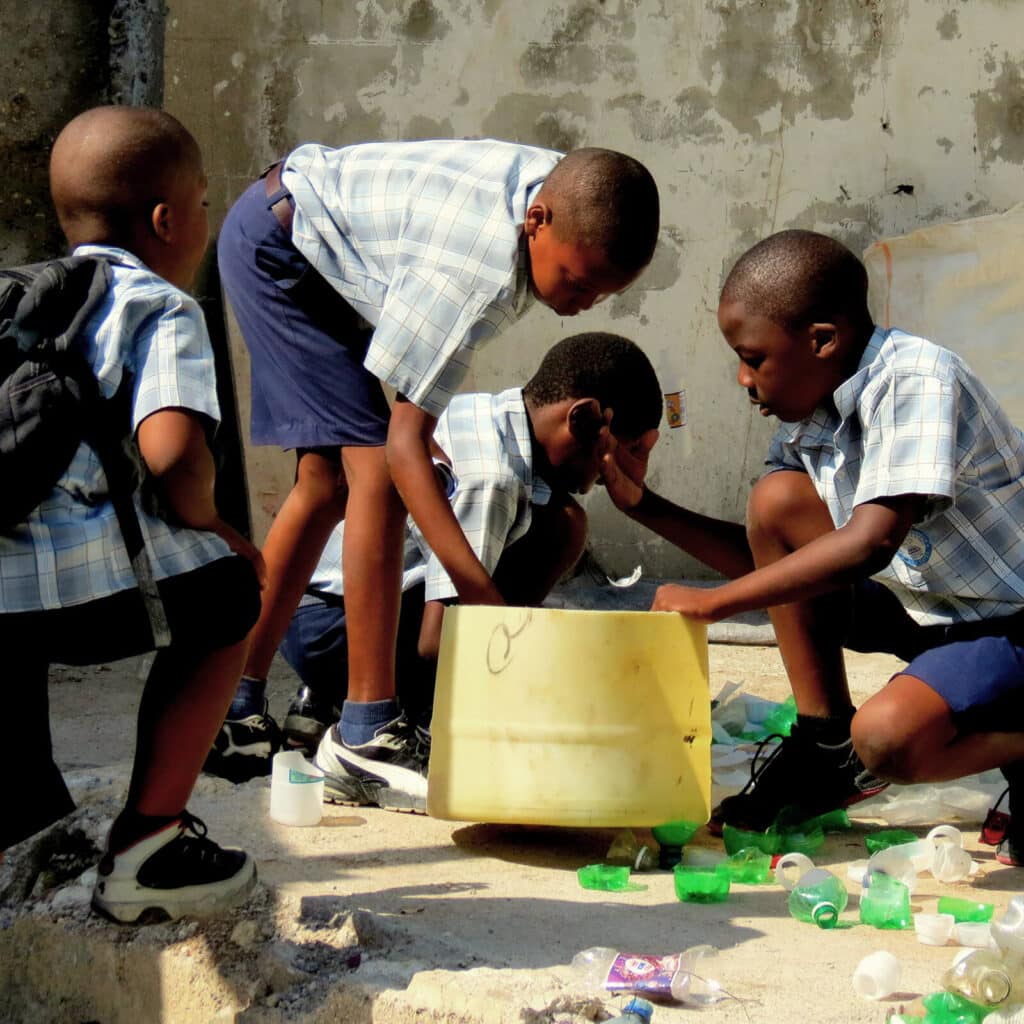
x,y
965,910
885,903
608,877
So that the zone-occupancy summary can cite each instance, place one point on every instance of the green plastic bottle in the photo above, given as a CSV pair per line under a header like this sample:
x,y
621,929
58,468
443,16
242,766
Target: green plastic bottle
x,y
885,903
951,1008
965,910
749,866
672,837
819,898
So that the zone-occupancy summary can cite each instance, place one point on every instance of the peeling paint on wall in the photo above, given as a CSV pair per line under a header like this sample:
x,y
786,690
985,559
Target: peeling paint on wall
x,y
999,115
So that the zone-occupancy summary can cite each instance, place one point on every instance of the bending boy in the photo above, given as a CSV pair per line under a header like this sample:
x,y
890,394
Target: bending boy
x,y
512,461
890,519
389,264
128,185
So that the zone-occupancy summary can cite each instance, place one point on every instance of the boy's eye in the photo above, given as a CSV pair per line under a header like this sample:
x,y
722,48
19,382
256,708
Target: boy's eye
x,y
752,361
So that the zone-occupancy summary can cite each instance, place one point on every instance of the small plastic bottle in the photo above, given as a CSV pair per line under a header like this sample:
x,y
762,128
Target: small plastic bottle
x,y
749,866
885,903
672,837
894,862
950,1008
877,976
983,978
965,910
1008,930
627,850
819,897
636,1011
951,863
680,976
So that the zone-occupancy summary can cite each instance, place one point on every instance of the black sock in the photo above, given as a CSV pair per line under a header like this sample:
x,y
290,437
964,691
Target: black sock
x,y
826,731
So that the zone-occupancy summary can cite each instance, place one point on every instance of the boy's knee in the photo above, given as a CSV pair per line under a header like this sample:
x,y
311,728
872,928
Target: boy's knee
x,y
883,750
785,506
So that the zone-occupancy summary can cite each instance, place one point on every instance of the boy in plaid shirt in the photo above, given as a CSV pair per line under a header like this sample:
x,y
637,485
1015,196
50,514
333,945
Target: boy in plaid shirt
x,y
889,520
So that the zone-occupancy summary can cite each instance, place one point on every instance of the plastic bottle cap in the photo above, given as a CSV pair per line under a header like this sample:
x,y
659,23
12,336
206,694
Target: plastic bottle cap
x,y
934,929
825,914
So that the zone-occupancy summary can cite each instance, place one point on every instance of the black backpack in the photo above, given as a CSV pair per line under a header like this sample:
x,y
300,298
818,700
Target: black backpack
x,y
50,403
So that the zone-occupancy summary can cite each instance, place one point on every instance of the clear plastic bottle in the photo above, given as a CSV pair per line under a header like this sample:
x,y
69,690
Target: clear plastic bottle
x,y
984,978
1008,929
627,849
681,976
636,1011
819,897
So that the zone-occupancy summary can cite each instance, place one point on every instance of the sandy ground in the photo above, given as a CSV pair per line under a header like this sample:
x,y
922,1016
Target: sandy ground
x,y
381,917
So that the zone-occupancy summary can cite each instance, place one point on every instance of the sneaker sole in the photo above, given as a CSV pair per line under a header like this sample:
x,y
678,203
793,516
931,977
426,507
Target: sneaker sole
x,y
191,901
715,826
368,793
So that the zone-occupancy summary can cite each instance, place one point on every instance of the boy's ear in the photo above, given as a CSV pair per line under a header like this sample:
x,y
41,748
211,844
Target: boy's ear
x,y
824,339
586,421
162,222
537,215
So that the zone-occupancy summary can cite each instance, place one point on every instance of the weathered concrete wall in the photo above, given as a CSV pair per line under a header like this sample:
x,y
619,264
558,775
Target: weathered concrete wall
x,y
861,118
61,57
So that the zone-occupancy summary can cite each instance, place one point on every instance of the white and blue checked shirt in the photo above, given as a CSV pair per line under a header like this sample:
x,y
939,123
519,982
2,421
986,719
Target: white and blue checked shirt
x,y
70,551
487,438
425,240
914,419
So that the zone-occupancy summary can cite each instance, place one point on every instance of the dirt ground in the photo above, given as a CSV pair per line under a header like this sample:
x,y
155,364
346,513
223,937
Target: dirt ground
x,y
374,916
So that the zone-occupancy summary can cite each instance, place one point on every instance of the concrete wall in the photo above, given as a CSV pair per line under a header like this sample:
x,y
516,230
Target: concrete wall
x,y
61,57
861,118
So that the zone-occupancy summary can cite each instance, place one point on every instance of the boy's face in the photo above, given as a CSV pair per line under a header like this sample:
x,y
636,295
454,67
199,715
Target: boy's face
x,y
785,374
567,276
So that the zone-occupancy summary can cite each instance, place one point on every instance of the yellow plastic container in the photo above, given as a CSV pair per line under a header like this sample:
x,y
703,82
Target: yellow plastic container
x,y
579,718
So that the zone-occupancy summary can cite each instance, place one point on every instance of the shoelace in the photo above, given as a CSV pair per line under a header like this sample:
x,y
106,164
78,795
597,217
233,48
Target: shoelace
x,y
415,736
197,845
756,766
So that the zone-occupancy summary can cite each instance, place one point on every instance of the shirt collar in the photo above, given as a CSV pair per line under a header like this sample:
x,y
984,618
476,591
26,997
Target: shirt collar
x,y
111,253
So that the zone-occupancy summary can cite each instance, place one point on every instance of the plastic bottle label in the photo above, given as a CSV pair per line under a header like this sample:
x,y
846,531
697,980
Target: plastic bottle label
x,y
630,972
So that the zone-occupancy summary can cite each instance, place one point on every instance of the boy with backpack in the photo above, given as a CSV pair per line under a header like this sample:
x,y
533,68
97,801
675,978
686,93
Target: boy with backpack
x,y
130,192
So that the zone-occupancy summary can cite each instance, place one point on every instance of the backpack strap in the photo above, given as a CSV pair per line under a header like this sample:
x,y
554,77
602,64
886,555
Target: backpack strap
x,y
106,434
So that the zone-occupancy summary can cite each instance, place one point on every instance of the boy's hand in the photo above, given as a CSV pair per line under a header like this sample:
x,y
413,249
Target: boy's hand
x,y
693,602
241,546
624,467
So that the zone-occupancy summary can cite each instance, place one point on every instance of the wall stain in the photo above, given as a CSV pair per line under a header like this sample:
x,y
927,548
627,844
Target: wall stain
x,y
948,26
946,144
661,274
420,127
423,22
538,121
999,116
692,121
576,53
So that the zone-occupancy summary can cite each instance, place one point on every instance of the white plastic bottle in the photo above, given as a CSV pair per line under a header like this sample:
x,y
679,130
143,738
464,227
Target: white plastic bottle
x,y
1008,929
681,976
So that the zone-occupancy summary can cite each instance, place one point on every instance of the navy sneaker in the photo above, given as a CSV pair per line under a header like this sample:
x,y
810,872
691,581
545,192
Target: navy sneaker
x,y
389,771
799,773
243,748
307,720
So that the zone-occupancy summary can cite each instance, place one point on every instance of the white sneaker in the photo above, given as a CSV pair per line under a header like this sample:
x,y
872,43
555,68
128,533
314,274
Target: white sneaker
x,y
389,771
171,873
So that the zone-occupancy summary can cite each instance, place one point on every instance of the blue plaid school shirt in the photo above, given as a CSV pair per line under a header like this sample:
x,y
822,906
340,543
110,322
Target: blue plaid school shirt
x,y
70,551
914,419
425,240
487,438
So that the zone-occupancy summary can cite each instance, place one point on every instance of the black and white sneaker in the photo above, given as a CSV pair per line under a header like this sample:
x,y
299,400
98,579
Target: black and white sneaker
x,y
389,771
243,748
799,774
1011,847
308,719
171,873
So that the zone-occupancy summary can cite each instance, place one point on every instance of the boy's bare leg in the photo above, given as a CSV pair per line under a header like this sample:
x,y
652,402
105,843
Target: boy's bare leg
x,y
785,513
372,569
906,734
182,707
314,506
531,566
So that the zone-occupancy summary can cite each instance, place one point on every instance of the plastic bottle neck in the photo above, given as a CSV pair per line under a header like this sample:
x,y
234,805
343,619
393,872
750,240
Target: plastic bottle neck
x,y
825,914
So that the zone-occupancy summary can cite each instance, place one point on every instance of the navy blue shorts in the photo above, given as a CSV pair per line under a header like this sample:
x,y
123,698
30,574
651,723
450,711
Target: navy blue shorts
x,y
977,668
306,343
316,647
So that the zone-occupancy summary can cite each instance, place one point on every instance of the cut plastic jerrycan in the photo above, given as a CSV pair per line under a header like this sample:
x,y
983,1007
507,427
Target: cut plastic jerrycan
x,y
544,716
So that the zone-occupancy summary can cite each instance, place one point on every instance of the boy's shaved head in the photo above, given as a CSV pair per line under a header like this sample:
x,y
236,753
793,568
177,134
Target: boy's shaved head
x,y
608,201
795,278
608,367
111,165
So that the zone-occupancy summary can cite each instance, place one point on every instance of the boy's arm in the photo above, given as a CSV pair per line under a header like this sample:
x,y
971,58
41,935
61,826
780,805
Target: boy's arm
x,y
410,462
865,545
173,445
430,630
717,543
